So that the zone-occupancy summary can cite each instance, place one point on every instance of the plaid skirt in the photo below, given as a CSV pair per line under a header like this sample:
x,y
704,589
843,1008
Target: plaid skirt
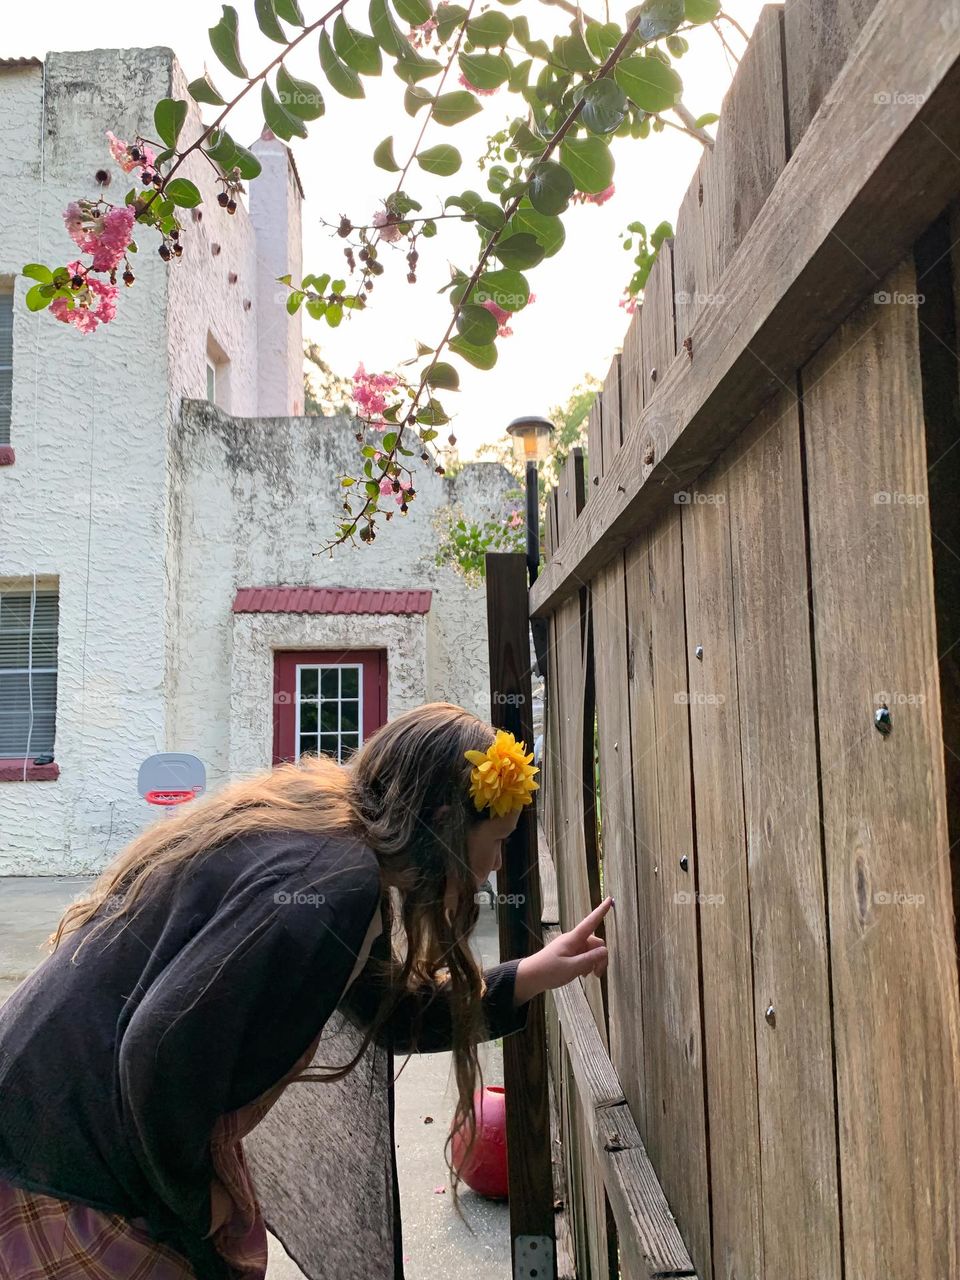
x,y
44,1237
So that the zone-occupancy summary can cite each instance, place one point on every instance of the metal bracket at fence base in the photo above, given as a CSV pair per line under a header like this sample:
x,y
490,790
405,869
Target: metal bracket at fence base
x,y
533,1258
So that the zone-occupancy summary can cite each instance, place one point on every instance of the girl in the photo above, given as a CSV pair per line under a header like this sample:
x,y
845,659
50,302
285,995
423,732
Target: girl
x,y
196,981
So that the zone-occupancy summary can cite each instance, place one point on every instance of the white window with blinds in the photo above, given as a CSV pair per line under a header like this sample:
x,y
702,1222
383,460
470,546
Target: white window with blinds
x,y
28,671
6,363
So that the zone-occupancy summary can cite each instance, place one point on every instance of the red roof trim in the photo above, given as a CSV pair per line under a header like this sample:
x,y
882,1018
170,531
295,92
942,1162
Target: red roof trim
x,y
329,600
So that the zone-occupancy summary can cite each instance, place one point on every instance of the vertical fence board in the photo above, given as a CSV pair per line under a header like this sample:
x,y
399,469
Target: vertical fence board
x,y
819,36
800,1212
751,145
594,444
669,954
617,833
658,340
631,376
938,277
891,914
696,254
722,881
610,413
577,845
524,1055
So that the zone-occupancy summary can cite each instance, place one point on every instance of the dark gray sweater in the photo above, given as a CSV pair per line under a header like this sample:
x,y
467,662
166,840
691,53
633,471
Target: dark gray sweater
x,y
116,1064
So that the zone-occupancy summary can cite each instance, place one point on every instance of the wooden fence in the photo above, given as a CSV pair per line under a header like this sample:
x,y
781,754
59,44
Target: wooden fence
x,y
753,595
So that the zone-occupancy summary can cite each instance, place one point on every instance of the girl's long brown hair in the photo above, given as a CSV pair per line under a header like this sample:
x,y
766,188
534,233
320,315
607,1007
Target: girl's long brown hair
x,y
389,793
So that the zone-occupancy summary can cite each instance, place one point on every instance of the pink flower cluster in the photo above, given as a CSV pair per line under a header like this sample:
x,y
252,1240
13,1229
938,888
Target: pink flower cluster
x,y
516,519
386,488
370,394
629,303
95,302
502,317
389,231
483,93
420,36
105,235
601,197
120,151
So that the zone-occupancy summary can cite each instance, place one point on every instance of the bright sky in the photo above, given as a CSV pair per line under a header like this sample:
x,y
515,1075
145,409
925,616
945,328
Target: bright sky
x,y
574,326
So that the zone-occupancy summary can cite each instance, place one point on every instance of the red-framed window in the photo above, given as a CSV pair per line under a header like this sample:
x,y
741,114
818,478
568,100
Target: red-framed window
x,y
326,700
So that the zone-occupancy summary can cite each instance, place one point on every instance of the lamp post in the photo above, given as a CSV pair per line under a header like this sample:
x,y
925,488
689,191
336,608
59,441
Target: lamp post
x,y
531,445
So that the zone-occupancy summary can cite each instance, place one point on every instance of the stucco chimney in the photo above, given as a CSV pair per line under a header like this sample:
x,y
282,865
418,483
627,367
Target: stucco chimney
x,y
275,200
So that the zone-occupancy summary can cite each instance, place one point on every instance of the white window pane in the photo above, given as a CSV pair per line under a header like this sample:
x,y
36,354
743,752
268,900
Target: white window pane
x,y
28,677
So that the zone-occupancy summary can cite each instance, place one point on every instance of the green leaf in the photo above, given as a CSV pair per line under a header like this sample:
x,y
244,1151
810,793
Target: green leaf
x,y
294,301
481,357
432,414
415,12
384,26
698,11
358,49
468,201
526,141
573,54
589,161
485,70
222,148
490,29
278,118
660,18
443,160
248,164
551,187
202,90
521,251
476,325
414,98
520,76
710,117
168,117
266,12
604,106
225,43
383,156
37,299
444,376
507,288
411,67
449,17
342,78
289,11
36,271
489,215
299,98
648,83
602,38
453,108
183,193
547,230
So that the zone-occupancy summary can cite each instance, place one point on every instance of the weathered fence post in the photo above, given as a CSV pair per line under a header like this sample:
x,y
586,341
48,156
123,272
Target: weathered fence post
x,y
525,1053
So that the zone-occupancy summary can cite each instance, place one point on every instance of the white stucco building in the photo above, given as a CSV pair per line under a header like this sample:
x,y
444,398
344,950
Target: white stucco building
x,y
162,500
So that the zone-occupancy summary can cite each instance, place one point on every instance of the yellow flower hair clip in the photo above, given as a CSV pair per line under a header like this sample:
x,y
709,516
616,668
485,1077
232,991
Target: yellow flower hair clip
x,y
502,776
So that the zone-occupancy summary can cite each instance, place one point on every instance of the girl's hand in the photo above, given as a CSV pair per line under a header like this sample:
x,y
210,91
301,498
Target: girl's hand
x,y
573,955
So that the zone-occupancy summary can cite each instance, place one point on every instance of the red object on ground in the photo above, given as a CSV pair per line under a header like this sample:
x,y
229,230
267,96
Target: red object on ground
x,y
485,1170
169,797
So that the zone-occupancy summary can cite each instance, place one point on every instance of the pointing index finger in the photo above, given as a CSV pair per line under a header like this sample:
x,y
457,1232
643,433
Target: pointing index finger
x,y
590,922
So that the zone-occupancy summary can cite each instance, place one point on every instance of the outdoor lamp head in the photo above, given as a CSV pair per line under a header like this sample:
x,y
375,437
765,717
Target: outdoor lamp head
x,y
531,438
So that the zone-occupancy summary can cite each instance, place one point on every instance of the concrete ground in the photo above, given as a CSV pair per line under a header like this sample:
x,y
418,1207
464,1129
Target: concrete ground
x,y
437,1245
